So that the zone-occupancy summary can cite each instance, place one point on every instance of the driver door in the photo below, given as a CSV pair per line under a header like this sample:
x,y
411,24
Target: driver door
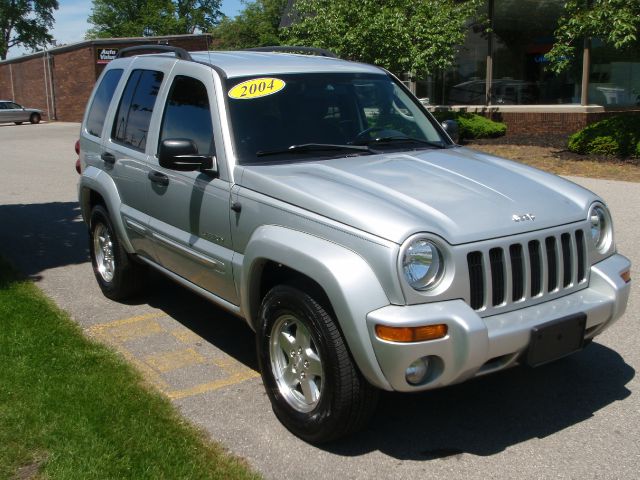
x,y
190,210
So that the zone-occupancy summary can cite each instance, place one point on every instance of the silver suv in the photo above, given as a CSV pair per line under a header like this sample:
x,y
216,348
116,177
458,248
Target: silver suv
x,y
316,199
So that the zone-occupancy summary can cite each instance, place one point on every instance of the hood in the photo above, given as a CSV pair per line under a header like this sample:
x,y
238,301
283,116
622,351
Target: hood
x,y
459,194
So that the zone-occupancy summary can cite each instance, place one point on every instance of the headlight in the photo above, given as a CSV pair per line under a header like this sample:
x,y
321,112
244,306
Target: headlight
x,y
422,264
600,228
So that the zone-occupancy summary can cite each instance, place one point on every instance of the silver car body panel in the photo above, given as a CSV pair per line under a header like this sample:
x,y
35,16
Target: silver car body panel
x,y
456,194
346,278
247,63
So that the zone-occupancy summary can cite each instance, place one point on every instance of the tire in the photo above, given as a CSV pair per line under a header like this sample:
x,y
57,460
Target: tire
x,y
18,123
34,118
118,276
316,391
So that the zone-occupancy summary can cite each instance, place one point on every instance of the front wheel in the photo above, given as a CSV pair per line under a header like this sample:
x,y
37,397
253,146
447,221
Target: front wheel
x,y
314,387
118,275
34,118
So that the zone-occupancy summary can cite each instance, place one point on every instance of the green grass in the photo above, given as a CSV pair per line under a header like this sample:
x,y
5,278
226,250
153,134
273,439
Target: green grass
x,y
72,408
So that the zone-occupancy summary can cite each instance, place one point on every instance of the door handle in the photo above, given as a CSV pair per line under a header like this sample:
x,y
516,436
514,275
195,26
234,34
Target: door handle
x,y
159,178
108,158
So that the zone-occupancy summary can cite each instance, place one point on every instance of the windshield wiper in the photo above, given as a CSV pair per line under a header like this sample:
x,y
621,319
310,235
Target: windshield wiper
x,y
315,147
402,139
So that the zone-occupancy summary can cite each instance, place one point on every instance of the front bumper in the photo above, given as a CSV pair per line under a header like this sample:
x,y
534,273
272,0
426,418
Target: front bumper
x,y
475,345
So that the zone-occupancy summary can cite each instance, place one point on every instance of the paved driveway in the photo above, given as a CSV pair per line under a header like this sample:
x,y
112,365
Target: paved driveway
x,y
578,418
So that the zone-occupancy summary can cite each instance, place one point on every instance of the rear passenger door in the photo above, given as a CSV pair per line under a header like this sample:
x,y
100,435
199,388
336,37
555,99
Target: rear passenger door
x,y
124,153
15,113
190,210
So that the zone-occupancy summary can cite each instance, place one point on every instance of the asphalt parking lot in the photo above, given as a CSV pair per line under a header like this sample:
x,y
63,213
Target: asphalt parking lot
x,y
577,418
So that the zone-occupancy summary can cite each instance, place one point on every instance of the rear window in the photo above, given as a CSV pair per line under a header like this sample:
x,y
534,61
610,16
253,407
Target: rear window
x,y
132,120
101,101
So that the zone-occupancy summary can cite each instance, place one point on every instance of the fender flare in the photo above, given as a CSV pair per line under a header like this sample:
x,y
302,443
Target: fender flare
x,y
95,179
348,281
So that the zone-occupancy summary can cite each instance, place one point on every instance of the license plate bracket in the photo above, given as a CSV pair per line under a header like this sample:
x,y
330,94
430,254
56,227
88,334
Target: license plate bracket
x,y
556,339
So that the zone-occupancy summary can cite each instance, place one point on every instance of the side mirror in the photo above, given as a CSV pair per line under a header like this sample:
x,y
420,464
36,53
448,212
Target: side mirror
x,y
182,154
452,129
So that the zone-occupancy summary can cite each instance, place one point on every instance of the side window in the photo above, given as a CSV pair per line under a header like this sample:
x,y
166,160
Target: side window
x,y
13,106
101,101
3,106
188,114
136,106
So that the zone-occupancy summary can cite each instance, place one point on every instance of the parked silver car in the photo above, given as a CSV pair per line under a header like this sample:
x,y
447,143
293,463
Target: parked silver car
x,y
12,112
316,199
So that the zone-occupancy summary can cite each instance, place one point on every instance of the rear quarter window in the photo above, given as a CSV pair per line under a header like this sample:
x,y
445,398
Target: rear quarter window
x,y
131,124
101,101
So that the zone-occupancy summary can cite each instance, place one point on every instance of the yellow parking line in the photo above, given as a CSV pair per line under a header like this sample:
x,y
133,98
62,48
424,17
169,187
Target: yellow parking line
x,y
240,377
117,332
124,333
166,362
147,372
126,321
186,336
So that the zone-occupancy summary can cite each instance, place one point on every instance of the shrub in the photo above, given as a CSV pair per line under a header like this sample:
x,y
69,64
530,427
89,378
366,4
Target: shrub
x,y
619,136
472,125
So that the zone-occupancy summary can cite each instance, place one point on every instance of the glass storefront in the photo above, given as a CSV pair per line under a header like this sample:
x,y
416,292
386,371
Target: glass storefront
x,y
614,76
464,84
523,34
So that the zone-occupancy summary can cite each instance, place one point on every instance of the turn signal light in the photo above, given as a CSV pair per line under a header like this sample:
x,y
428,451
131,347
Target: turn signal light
x,y
411,334
626,276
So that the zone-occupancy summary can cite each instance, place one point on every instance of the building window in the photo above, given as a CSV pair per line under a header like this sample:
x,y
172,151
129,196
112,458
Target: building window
x,y
523,34
614,76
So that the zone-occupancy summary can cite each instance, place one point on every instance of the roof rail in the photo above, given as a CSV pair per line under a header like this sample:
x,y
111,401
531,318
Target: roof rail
x,y
180,53
294,49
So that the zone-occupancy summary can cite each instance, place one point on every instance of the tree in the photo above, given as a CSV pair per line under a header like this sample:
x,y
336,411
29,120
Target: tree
x,y
26,23
400,35
202,15
616,22
256,26
134,18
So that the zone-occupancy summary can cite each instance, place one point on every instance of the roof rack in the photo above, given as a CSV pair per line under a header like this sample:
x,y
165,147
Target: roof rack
x,y
180,53
294,49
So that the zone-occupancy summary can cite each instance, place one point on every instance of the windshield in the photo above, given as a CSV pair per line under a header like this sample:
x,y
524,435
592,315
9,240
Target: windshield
x,y
324,115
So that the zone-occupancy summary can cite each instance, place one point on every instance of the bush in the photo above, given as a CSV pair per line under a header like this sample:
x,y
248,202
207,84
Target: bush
x,y
615,136
472,125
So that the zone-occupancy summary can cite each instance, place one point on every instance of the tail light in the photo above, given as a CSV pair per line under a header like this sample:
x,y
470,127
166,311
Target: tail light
x,y
77,148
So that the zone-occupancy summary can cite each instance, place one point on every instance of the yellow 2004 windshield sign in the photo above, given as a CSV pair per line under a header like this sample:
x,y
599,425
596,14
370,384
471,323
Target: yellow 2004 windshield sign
x,y
256,88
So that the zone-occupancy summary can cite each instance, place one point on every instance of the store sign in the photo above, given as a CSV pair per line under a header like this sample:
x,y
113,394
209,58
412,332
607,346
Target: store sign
x,y
105,55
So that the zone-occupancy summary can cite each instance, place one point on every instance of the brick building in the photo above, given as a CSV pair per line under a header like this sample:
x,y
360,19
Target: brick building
x,y
59,81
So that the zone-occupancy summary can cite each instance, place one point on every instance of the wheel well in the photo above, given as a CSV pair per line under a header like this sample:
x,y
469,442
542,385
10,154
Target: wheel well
x,y
273,274
91,198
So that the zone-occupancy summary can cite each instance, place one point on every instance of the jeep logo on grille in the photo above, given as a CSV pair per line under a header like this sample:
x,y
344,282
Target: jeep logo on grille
x,y
523,218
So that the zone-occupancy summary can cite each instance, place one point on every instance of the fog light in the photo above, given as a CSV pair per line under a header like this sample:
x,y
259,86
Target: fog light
x,y
417,371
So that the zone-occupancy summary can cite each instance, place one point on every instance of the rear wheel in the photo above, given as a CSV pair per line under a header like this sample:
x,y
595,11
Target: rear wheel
x,y
118,275
315,389
34,118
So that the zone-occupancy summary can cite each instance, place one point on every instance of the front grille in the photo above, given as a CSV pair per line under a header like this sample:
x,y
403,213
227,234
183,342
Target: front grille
x,y
519,271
